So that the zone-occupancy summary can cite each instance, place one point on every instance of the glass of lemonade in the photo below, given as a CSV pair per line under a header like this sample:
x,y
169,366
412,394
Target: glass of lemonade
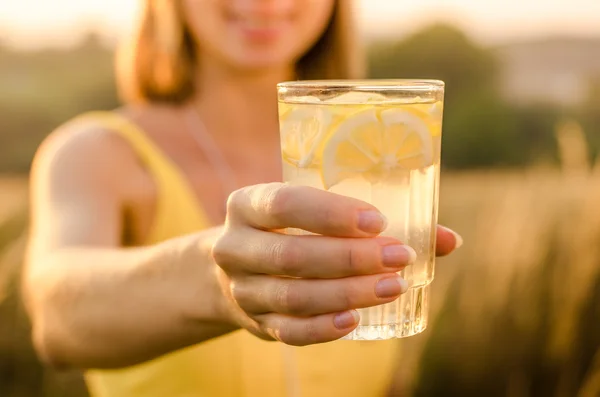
x,y
378,141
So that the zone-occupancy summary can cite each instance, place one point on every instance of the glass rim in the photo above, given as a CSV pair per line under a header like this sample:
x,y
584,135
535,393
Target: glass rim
x,y
365,84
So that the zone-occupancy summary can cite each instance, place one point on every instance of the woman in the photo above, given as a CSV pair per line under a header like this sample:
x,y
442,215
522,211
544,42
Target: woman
x,y
125,274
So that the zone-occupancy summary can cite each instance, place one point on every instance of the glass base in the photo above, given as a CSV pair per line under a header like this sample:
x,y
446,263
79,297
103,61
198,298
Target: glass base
x,y
407,316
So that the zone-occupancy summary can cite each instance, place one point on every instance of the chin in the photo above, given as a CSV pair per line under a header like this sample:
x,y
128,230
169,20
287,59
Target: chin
x,y
263,61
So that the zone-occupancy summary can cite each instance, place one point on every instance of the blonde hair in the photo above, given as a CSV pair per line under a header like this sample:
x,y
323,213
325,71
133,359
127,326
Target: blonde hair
x,y
159,63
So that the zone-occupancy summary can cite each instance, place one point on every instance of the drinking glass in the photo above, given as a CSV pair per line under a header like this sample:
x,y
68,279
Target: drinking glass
x,y
378,141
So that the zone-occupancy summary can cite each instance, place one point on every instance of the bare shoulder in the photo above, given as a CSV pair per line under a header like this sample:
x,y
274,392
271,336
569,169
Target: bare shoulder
x,y
82,149
85,154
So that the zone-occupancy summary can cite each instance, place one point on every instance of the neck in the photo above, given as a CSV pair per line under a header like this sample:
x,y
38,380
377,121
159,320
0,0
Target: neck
x,y
239,106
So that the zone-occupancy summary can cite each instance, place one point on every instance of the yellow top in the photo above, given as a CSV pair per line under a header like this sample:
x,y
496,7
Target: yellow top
x,y
237,364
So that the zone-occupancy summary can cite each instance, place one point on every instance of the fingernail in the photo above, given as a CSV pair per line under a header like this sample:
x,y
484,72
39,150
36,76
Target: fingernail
x,y
457,237
398,255
371,221
391,286
346,319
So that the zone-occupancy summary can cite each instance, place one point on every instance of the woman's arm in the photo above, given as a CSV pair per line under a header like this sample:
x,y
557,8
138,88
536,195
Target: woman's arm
x,y
92,303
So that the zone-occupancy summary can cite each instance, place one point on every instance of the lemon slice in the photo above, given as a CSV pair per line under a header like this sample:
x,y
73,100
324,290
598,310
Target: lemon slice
x,y
302,130
374,144
431,113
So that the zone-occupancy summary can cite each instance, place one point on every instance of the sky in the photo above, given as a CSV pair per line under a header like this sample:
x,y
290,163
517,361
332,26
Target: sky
x,y
39,23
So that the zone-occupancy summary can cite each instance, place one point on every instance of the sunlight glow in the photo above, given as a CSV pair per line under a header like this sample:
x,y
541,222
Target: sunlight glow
x,y
34,23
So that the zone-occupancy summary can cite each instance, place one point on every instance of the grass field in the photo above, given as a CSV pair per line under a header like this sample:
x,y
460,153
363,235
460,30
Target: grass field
x,y
517,309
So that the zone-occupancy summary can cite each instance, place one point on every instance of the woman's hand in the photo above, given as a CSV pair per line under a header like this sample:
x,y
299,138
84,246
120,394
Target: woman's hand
x,y
303,289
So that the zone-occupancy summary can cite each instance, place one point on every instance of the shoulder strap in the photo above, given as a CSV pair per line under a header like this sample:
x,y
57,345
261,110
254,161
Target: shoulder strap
x,y
174,189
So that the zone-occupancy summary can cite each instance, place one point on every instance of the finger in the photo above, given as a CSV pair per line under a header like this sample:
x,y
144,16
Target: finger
x,y
278,206
261,252
447,241
298,331
305,297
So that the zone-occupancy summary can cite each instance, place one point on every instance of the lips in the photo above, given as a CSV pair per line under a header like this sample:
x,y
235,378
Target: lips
x,y
260,23
259,27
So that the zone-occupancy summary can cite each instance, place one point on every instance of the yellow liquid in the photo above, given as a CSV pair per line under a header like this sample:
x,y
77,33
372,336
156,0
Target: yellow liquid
x,y
386,154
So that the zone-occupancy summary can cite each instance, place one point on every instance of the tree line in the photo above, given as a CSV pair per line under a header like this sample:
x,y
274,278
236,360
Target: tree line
x,y
41,90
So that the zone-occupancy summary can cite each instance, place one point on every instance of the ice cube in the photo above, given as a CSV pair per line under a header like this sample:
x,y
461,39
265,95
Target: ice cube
x,y
356,97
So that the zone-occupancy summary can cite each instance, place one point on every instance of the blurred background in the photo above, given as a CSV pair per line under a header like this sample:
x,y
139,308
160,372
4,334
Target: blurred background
x,y
517,309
